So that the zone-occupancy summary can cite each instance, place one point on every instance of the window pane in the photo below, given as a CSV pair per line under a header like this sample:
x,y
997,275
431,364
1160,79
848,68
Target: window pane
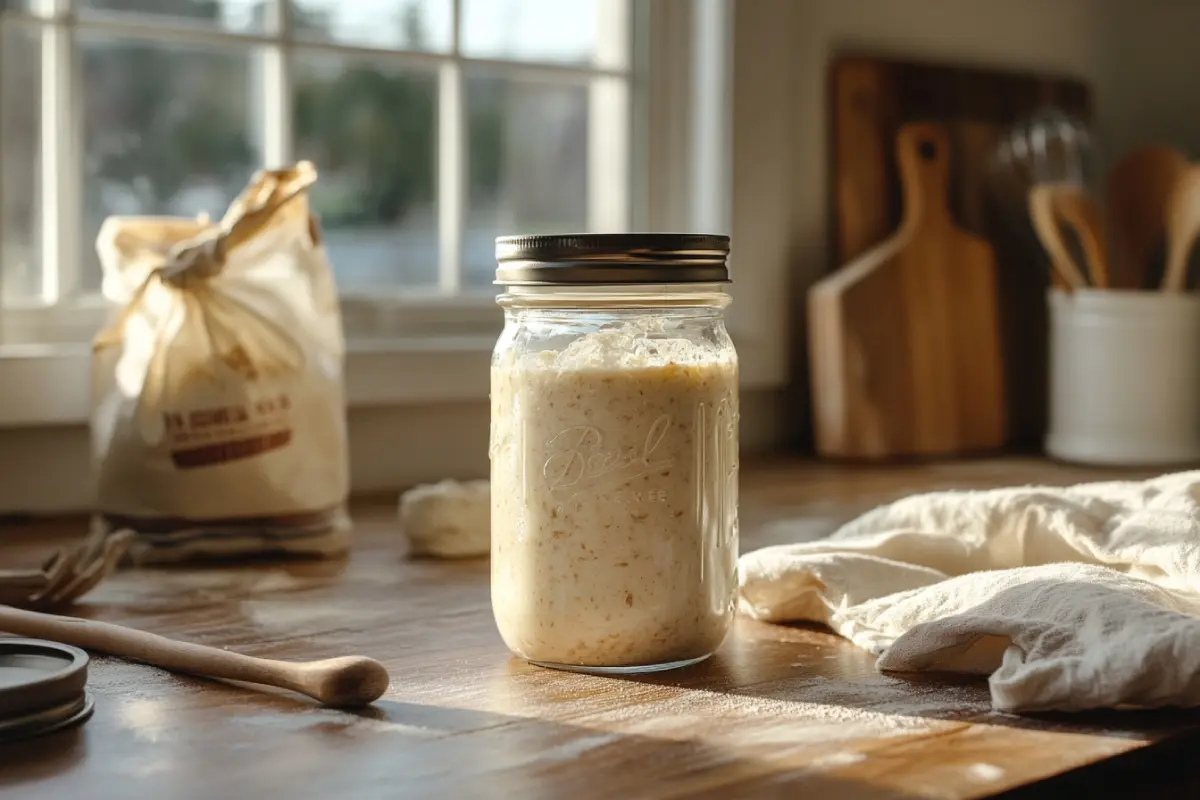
x,y
20,164
398,24
232,15
167,130
371,132
535,30
528,152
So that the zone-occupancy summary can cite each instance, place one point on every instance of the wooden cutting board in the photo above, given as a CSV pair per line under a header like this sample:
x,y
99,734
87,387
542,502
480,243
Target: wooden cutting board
x,y
907,358
858,413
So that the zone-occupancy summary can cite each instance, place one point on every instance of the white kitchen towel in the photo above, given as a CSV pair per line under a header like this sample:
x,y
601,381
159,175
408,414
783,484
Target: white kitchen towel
x,y
1068,598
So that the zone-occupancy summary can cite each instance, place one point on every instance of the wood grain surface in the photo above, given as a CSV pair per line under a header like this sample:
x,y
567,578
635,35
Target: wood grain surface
x,y
904,340
778,712
870,98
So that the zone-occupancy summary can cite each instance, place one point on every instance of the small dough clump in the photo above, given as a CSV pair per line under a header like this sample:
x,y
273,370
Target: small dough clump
x,y
449,519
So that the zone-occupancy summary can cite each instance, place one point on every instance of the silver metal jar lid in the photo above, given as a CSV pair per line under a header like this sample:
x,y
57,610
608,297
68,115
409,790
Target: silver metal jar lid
x,y
42,687
611,259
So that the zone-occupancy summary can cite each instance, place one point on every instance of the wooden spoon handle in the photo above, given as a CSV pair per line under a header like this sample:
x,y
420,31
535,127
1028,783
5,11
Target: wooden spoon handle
x,y
1183,224
348,681
1045,224
1079,212
1137,196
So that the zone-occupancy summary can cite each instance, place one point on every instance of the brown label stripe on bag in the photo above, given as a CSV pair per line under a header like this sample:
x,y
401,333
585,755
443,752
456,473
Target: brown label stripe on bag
x,y
222,452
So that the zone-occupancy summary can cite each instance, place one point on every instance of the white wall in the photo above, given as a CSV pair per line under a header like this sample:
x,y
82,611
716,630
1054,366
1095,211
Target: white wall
x,y
1140,57
1148,88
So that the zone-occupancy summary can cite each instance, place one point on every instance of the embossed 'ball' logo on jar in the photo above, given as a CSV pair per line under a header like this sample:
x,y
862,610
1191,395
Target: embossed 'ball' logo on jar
x,y
578,459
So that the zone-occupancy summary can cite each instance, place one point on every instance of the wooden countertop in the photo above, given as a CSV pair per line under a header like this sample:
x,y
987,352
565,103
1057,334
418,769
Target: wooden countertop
x,y
779,711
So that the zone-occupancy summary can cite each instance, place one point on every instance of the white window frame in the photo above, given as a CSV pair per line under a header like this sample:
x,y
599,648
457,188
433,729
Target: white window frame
x,y
435,346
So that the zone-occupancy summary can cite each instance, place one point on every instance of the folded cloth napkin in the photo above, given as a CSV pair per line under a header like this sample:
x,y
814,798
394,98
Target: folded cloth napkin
x,y
1068,598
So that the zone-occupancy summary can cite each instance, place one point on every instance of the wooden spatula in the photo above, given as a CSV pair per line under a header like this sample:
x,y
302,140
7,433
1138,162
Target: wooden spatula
x,y
1077,211
1183,225
1043,213
340,682
1136,195
68,575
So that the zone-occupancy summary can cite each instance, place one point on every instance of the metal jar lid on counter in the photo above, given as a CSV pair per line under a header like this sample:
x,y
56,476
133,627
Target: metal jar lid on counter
x,y
42,687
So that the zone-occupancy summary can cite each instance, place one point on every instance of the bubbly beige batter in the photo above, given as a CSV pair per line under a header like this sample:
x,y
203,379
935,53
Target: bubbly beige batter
x,y
614,501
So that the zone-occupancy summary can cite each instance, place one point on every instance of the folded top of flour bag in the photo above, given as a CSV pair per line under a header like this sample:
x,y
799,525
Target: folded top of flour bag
x,y
1068,598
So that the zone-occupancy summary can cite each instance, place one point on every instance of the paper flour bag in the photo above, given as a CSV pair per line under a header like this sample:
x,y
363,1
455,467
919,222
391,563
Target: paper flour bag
x,y
218,415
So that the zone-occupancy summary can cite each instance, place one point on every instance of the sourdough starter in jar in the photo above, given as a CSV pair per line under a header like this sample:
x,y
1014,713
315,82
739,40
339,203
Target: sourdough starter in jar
x,y
614,485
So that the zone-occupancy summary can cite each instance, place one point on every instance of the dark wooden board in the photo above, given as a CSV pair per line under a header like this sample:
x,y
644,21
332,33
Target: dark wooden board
x,y
870,98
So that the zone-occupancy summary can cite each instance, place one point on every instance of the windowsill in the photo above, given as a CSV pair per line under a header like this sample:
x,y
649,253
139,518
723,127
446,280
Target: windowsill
x,y
49,385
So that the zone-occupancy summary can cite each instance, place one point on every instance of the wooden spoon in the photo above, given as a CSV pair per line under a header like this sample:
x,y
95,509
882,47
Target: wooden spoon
x,y
1136,195
1183,224
339,682
1079,212
1043,215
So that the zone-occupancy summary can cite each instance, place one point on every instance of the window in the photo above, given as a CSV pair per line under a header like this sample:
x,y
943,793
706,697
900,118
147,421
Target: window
x,y
434,125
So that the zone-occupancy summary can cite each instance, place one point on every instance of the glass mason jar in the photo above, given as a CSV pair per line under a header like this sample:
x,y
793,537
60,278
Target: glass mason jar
x,y
614,451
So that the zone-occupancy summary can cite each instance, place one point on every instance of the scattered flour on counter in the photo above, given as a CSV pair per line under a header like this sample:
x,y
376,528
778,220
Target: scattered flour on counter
x,y
803,716
985,772
574,748
141,768
838,760
721,717
884,696
335,721
277,581
150,721
132,683
285,617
